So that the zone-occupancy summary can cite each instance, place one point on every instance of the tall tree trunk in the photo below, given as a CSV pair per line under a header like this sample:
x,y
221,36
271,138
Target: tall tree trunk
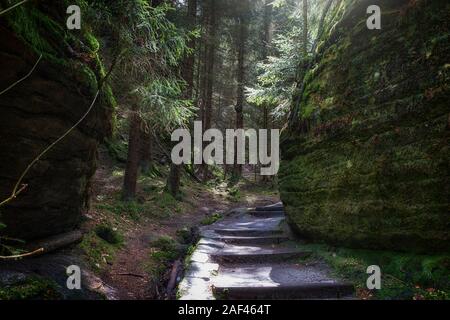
x,y
267,37
266,48
203,75
146,151
242,39
131,170
210,54
267,40
210,63
173,182
305,27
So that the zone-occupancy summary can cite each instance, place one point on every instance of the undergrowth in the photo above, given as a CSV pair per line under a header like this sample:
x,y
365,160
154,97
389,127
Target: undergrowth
x,y
404,275
30,288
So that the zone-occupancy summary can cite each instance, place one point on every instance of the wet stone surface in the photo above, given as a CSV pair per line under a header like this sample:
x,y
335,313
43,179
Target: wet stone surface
x,y
261,261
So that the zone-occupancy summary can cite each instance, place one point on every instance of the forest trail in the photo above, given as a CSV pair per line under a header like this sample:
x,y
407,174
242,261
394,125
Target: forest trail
x,y
251,255
128,270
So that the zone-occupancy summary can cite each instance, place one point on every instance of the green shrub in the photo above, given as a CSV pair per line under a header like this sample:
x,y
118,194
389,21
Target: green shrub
x,y
211,219
166,250
108,234
404,275
32,288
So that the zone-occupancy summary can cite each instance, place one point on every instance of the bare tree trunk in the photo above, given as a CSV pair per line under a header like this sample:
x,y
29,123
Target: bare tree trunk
x,y
209,73
305,27
173,182
266,45
239,108
146,151
131,170
267,37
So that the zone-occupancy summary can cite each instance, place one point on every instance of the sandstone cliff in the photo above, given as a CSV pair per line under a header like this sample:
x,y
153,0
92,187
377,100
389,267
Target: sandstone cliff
x,y
40,109
366,161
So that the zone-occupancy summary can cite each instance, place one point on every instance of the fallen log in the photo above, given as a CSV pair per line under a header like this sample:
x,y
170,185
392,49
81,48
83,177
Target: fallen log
x,y
54,243
176,268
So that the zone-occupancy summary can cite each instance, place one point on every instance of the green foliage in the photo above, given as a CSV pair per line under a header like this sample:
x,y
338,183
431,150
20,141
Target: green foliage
x,y
234,193
163,108
30,288
166,244
189,252
108,234
404,276
118,149
132,209
211,219
165,251
147,41
160,204
276,81
98,251
280,72
185,235
150,47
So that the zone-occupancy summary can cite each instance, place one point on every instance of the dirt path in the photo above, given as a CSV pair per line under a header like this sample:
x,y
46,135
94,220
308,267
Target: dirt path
x,y
127,273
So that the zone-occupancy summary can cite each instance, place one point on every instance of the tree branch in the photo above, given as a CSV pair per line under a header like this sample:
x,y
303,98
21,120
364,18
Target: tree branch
x,y
24,78
13,6
24,255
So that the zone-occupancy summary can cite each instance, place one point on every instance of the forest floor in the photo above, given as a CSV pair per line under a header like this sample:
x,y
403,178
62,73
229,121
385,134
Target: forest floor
x,y
129,248
147,234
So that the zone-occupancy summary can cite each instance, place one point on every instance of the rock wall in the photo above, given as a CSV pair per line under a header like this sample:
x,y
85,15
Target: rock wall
x,y
365,163
40,109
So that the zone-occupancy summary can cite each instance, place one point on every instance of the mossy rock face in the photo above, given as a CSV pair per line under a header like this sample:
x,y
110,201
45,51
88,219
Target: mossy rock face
x,y
367,162
40,109
30,288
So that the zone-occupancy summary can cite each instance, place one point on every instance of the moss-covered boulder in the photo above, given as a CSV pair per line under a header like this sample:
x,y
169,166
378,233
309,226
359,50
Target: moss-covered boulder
x,y
365,163
40,109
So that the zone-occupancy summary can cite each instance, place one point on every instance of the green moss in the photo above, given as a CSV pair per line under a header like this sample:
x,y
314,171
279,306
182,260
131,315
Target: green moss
x,y
108,234
92,42
99,252
29,23
132,209
211,219
31,288
46,34
185,235
372,170
165,250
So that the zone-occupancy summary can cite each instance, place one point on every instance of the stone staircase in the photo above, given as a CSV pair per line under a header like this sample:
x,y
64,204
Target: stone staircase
x,y
252,255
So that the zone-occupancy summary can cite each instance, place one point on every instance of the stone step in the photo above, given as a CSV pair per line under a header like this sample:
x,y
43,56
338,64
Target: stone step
x,y
252,240
300,291
273,207
278,281
243,254
266,214
248,232
249,222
